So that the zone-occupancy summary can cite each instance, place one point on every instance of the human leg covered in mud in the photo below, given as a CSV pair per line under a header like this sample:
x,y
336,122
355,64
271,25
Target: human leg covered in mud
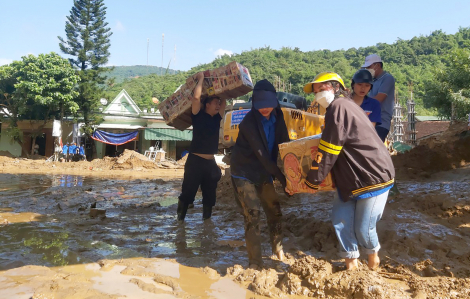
x,y
251,198
355,225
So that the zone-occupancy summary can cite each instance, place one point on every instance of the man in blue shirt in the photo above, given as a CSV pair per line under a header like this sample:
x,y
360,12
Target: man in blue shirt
x,y
81,152
383,90
72,149
65,151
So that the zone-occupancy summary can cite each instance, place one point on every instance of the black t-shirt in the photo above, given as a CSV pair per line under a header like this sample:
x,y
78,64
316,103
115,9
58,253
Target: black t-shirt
x,y
205,133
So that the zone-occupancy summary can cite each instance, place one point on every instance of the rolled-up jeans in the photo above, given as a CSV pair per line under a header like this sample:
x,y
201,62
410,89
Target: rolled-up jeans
x,y
355,224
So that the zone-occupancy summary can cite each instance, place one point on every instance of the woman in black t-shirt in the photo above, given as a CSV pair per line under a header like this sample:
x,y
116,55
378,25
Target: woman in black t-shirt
x,y
200,168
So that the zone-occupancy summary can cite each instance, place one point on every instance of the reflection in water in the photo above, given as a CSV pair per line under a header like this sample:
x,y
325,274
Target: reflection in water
x,y
140,221
67,181
27,242
53,250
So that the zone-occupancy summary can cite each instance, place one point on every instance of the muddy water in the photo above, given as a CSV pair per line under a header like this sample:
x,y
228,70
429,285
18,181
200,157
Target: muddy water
x,y
45,221
49,222
138,249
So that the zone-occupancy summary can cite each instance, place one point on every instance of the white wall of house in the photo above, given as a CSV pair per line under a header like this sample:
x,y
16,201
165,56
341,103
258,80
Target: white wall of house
x,y
7,146
15,148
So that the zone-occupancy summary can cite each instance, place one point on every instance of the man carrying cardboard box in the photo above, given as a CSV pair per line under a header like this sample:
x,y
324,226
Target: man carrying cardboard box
x,y
361,167
200,168
253,166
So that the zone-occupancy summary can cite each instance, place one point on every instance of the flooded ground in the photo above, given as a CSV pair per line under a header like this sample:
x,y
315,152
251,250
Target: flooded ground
x,y
69,236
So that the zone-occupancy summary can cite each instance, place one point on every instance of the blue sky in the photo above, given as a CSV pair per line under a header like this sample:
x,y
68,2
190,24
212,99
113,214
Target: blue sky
x,y
203,29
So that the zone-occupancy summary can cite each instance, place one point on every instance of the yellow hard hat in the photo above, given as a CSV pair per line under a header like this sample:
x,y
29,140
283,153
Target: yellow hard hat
x,y
323,77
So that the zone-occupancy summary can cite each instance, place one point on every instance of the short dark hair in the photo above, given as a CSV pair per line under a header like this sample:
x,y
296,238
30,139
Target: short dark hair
x,y
208,100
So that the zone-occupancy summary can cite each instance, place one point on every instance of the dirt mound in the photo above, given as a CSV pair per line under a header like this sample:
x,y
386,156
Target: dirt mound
x,y
445,151
311,277
183,160
133,160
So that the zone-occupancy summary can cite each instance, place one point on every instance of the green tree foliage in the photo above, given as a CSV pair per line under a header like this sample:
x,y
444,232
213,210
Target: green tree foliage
x,y
412,63
87,41
121,73
145,88
450,86
37,89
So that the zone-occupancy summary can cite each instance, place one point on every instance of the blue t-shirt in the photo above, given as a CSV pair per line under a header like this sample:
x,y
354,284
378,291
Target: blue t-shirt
x,y
81,151
372,108
269,130
65,150
72,149
385,84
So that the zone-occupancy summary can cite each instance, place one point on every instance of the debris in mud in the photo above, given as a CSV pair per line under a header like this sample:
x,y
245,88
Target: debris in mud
x,y
130,159
97,212
183,160
170,164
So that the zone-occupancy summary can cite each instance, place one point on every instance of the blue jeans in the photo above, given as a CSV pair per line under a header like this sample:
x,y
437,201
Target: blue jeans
x,y
355,224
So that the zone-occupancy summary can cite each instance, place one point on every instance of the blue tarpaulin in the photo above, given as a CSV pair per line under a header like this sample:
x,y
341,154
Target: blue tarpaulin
x,y
114,138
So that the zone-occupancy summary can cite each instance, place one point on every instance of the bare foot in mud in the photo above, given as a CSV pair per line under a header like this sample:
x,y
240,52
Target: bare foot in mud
x,y
279,255
374,261
351,264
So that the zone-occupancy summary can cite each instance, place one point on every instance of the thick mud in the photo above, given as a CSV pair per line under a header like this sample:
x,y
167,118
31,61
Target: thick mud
x,y
111,232
54,245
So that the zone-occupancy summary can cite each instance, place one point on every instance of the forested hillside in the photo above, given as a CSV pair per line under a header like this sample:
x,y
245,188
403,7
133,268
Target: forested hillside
x,y
121,73
414,64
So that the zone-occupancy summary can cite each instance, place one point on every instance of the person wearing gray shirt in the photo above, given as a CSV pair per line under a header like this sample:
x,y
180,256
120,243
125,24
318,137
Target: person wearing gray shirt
x,y
383,90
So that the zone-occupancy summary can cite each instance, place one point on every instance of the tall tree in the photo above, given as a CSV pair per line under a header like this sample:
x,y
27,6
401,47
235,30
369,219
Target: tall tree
x,y
88,41
37,89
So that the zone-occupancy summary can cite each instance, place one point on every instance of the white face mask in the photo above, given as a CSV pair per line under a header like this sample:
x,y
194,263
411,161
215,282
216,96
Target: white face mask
x,y
324,98
372,72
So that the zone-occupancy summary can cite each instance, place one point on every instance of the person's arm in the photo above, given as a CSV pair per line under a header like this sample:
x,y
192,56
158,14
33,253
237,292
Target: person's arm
x,y
223,104
380,97
387,87
331,144
374,123
196,98
263,156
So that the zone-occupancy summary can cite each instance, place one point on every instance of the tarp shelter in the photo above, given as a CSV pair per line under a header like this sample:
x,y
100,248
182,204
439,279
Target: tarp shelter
x,y
114,138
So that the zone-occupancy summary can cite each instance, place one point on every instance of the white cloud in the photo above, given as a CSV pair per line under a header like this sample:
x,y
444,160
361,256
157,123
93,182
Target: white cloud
x,y
4,61
119,26
221,52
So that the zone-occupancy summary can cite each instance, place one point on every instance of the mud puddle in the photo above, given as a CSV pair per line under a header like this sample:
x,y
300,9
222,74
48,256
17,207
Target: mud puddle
x,y
51,246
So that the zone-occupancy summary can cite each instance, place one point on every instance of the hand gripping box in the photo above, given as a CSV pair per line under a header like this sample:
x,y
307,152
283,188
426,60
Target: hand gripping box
x,y
229,81
297,157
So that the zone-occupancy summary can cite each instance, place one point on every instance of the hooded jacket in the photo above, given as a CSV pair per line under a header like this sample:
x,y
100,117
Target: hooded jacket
x,y
250,155
351,149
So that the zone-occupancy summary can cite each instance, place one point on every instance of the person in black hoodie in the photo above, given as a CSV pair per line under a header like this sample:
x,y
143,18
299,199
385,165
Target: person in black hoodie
x,y
253,167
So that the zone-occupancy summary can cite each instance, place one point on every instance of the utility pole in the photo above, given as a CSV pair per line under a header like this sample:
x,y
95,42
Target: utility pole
x,y
148,51
163,40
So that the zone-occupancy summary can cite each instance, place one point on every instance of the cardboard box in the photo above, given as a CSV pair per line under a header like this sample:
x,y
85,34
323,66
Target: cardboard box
x,y
229,81
297,157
